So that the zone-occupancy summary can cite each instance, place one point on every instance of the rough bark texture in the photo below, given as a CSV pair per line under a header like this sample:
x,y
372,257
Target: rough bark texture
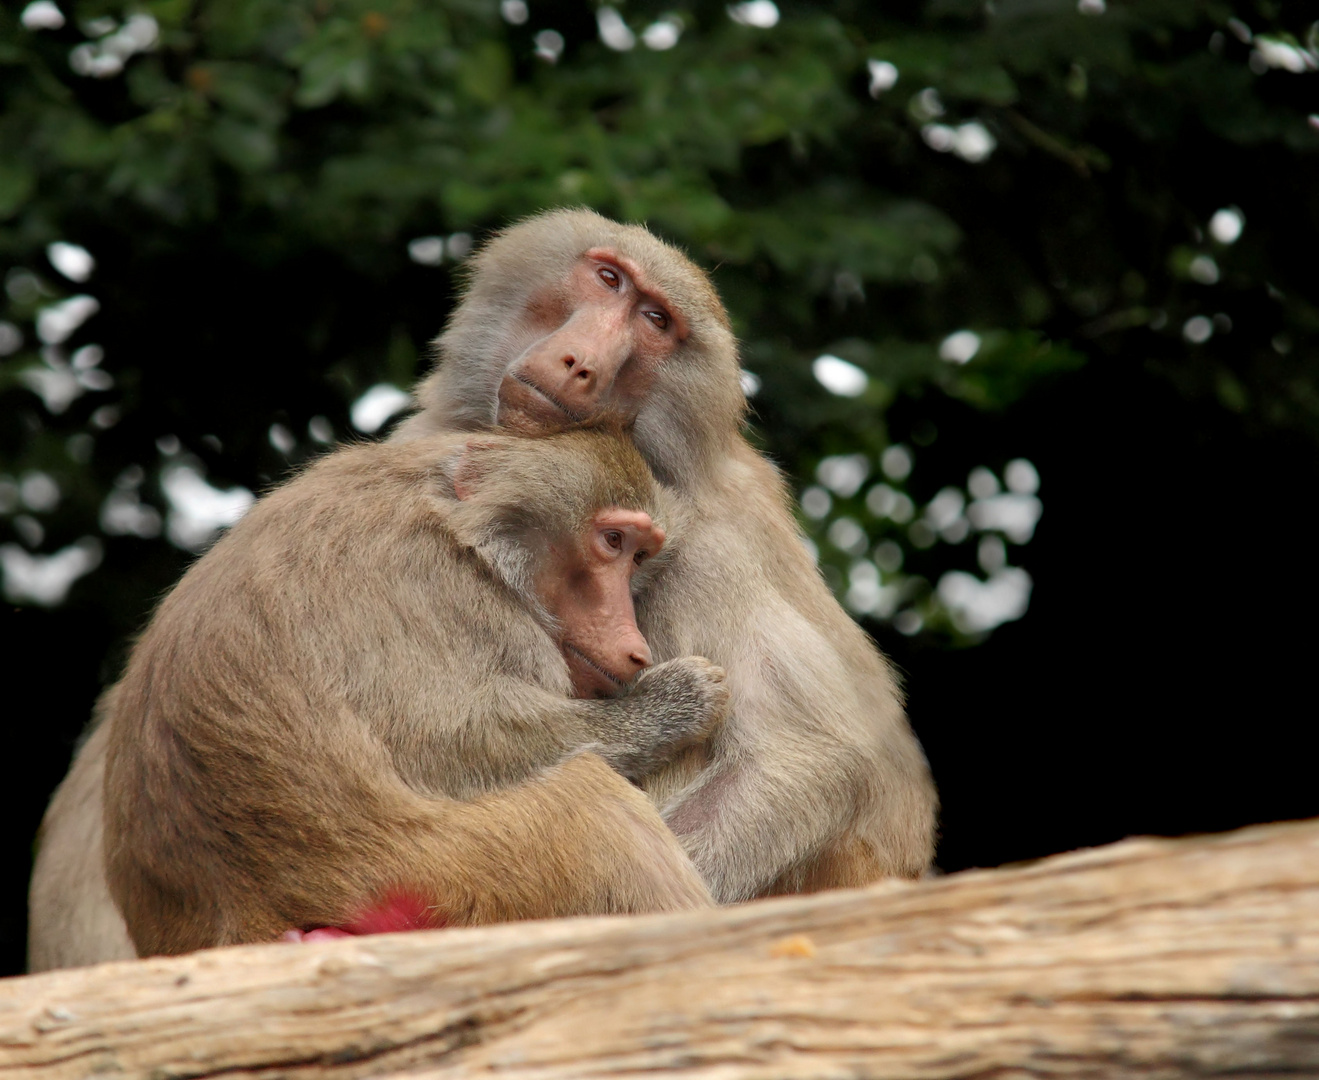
x,y
1147,958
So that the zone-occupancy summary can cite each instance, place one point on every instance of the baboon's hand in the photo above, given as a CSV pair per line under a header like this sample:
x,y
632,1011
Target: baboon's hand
x,y
691,693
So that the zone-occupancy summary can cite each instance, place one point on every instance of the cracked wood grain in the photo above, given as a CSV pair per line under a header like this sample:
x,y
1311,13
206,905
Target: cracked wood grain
x,y
1148,958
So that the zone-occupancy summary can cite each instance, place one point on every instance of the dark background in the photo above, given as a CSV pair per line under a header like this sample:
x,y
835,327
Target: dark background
x,y
1161,682
249,183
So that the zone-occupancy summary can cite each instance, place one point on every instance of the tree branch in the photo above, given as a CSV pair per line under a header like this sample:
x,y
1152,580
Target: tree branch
x,y
1147,958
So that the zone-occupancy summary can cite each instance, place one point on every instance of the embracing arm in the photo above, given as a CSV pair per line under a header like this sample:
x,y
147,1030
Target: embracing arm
x,y
820,782
511,729
816,764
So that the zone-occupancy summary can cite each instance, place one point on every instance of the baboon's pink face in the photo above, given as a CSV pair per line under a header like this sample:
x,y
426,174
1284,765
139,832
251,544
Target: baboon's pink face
x,y
597,339
586,584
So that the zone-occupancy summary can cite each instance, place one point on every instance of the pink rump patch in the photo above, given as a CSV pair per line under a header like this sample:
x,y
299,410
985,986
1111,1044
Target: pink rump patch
x,y
397,911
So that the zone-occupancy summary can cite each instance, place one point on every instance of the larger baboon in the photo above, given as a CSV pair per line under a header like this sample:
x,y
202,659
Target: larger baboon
x,y
816,778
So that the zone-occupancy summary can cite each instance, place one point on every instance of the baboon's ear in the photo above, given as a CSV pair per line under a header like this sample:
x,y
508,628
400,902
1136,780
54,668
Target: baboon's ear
x,y
469,467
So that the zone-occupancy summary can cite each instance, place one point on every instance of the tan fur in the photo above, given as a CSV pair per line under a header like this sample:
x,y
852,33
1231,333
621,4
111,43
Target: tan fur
x,y
816,775
349,697
849,863
72,919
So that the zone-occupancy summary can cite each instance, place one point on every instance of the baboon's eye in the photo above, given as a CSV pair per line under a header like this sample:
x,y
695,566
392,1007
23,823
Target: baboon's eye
x,y
609,276
659,318
640,557
614,539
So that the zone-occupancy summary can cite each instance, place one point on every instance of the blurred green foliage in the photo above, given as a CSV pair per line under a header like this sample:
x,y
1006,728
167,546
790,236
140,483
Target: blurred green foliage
x,y
865,181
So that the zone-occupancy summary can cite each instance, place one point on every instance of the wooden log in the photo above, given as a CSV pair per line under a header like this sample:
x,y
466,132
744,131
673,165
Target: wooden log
x,y
1148,958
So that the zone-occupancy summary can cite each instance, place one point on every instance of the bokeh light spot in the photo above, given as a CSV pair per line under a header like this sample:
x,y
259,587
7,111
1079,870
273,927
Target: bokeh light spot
x,y
197,510
759,13
11,338
46,579
1273,52
977,606
1204,270
888,556
614,32
514,12
843,474
1226,225
847,535
663,34
908,623
282,439
549,45
377,405
41,15
945,508
39,491
840,377
926,105
883,76
1022,477
982,483
1012,514
816,502
959,347
71,260
58,321
896,462
321,430
991,553
1198,329
427,250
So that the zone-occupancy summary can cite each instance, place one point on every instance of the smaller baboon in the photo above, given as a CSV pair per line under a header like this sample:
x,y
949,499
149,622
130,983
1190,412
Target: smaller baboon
x,y
354,711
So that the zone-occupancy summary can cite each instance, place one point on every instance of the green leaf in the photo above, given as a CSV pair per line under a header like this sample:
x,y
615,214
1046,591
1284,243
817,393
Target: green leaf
x,y
485,72
16,186
246,147
1007,364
